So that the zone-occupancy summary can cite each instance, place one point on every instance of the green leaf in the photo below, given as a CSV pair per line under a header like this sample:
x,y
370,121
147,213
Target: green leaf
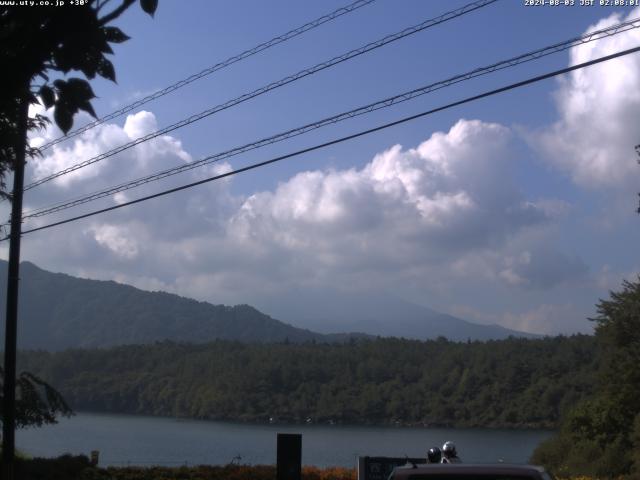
x,y
89,63
63,117
114,35
149,6
69,53
74,91
87,107
80,89
74,94
48,96
106,70
106,48
37,122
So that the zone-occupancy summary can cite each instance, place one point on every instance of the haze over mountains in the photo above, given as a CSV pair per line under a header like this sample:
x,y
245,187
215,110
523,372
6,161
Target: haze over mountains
x,y
58,311
377,314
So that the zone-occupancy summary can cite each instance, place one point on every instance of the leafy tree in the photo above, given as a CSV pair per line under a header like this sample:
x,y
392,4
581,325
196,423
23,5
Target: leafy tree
x,y
38,40
601,435
38,403
381,381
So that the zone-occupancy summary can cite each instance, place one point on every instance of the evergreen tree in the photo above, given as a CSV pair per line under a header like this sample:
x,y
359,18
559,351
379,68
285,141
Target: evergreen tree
x,y
601,436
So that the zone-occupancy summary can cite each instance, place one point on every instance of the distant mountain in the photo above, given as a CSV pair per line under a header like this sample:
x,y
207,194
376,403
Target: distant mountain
x,y
377,314
58,311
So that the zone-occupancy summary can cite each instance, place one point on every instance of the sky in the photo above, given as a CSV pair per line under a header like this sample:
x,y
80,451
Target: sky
x,y
518,209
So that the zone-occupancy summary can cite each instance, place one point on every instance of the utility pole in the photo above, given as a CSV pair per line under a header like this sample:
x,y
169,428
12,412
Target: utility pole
x,y
13,277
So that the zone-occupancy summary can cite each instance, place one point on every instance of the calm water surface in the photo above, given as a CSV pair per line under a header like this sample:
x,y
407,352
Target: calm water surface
x,y
141,440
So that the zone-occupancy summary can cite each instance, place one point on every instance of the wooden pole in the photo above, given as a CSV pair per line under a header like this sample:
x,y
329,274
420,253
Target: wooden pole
x,y
11,320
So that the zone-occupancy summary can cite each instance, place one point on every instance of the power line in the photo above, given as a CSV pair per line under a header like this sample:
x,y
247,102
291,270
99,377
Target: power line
x,y
272,86
341,139
214,68
388,102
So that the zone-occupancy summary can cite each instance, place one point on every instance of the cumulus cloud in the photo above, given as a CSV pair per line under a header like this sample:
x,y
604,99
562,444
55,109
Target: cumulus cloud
x,y
439,218
546,319
116,239
418,216
158,153
524,264
450,194
599,110
550,319
543,268
608,279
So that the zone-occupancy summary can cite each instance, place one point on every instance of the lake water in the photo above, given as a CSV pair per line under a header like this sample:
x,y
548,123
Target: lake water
x,y
141,440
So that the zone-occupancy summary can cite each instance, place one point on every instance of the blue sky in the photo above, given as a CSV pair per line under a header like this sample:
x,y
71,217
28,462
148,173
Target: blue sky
x,y
518,209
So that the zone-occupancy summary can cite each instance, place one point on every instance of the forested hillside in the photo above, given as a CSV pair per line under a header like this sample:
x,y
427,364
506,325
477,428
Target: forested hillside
x,y
58,311
64,312
506,383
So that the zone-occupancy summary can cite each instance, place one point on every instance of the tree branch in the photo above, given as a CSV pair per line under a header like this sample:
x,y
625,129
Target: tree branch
x,y
102,4
115,13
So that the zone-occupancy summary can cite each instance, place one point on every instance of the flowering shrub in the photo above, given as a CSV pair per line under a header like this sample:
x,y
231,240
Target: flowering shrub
x,y
331,473
241,472
70,467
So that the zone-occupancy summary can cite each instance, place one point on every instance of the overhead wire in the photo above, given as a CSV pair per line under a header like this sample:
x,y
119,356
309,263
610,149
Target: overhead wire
x,y
214,68
380,104
470,7
341,139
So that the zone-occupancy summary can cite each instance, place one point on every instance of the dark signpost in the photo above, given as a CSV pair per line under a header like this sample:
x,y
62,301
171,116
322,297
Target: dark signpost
x,y
379,468
289,462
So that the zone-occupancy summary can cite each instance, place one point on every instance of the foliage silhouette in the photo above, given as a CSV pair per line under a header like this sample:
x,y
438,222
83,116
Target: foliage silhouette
x,y
38,403
39,41
601,436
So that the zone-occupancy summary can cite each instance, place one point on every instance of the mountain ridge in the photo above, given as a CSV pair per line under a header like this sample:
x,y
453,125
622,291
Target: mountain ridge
x,y
379,314
110,314
59,311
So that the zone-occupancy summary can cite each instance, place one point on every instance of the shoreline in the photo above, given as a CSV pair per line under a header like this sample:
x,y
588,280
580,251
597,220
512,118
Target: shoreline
x,y
288,424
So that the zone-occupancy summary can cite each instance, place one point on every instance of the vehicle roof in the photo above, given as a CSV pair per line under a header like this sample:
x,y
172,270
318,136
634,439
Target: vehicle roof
x,y
440,469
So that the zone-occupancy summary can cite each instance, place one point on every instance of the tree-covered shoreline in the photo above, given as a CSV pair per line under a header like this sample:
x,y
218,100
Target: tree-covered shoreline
x,y
600,436
293,423
513,383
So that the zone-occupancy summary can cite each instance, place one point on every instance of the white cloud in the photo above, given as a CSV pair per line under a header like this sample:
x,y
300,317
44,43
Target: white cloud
x,y
120,240
524,262
417,216
154,154
599,108
608,279
550,319
444,220
451,194
543,268
510,272
546,319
